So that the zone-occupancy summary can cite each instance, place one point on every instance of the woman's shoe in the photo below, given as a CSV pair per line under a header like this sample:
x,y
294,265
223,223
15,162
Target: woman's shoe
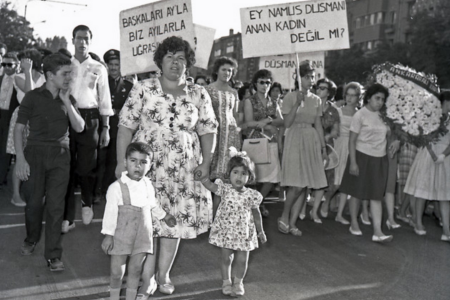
x,y
18,202
166,288
295,231
420,231
445,238
393,226
227,289
355,232
342,221
323,214
316,220
282,227
365,222
382,239
403,219
301,216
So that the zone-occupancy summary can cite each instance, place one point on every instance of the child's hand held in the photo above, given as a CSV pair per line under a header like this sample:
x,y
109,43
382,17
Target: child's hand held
x,y
262,237
108,244
170,220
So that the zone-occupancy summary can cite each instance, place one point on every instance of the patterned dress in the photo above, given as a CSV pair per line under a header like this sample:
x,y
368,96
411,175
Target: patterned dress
x,y
228,135
234,227
172,128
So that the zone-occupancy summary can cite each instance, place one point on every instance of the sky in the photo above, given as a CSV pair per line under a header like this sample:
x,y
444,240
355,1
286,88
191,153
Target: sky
x,y
54,17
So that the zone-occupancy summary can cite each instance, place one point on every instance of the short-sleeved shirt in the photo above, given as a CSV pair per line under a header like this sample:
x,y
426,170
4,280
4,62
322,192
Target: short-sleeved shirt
x,y
312,107
47,117
90,86
371,132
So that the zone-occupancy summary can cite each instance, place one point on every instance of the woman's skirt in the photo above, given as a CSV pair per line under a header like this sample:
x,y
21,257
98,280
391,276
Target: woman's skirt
x,y
303,164
371,182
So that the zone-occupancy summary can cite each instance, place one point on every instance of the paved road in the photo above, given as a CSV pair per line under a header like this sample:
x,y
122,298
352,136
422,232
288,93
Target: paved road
x,y
325,263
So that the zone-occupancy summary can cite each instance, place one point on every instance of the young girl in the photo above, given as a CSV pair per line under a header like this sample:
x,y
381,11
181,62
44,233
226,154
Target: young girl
x,y
127,223
237,220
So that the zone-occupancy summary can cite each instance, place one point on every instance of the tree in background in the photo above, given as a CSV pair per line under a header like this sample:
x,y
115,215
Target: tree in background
x,y
15,30
52,44
430,42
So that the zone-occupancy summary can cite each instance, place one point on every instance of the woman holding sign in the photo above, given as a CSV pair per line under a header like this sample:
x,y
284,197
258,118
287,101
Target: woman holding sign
x,y
177,120
304,150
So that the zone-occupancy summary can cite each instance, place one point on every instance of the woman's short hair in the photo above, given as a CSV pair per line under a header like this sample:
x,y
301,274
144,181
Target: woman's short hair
x,y
274,86
339,93
263,73
304,69
331,87
243,90
375,89
200,77
444,96
224,60
54,62
354,86
242,161
174,44
34,55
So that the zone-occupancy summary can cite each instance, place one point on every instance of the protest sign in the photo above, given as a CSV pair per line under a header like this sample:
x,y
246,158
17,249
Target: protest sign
x,y
204,40
144,27
283,67
294,28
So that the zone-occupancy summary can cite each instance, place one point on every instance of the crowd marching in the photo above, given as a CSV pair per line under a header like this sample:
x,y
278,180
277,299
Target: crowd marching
x,y
165,151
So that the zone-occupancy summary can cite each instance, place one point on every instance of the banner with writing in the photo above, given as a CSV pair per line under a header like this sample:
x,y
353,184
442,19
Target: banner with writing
x,y
204,40
418,78
294,27
144,27
283,67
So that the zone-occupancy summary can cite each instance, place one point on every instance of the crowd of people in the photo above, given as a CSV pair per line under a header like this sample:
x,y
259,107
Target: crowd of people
x,y
165,153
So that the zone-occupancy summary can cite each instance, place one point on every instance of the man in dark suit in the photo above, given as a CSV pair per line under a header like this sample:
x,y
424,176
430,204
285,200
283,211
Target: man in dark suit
x,y
119,89
8,103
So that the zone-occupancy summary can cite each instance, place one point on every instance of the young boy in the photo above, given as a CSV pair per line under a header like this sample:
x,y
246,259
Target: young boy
x,y
44,165
127,222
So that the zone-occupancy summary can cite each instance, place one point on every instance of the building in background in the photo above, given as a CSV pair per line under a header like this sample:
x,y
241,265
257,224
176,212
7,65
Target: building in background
x,y
370,23
231,46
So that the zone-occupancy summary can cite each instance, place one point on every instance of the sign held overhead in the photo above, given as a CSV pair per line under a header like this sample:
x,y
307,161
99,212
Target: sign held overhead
x,y
294,28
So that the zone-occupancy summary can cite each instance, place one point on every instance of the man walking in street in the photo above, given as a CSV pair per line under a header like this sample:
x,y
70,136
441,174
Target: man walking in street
x,y
90,89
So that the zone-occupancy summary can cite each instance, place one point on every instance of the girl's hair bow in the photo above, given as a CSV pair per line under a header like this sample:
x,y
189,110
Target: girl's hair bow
x,y
234,152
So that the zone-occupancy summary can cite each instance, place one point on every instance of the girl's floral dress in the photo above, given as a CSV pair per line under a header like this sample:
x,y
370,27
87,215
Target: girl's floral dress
x,y
172,128
234,227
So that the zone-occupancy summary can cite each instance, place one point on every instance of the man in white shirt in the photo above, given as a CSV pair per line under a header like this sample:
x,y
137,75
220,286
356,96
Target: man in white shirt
x,y
8,103
89,87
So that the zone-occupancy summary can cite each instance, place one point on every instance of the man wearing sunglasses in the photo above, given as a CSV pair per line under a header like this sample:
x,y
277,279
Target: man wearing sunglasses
x,y
8,103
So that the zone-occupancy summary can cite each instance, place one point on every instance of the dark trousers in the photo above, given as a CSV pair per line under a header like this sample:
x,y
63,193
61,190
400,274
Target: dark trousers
x,y
5,158
83,151
106,167
49,176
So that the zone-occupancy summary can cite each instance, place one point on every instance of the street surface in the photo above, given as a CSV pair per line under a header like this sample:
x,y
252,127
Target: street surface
x,y
327,262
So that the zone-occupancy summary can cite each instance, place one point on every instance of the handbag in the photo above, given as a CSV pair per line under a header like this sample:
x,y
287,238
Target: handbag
x,y
257,149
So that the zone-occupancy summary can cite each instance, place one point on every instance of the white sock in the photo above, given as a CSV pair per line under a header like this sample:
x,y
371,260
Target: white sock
x,y
238,280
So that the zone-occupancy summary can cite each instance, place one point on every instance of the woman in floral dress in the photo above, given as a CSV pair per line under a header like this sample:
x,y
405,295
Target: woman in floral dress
x,y
177,121
225,102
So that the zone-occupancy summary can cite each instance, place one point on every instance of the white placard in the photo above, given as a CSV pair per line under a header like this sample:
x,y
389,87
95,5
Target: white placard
x,y
283,66
294,28
144,27
204,40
